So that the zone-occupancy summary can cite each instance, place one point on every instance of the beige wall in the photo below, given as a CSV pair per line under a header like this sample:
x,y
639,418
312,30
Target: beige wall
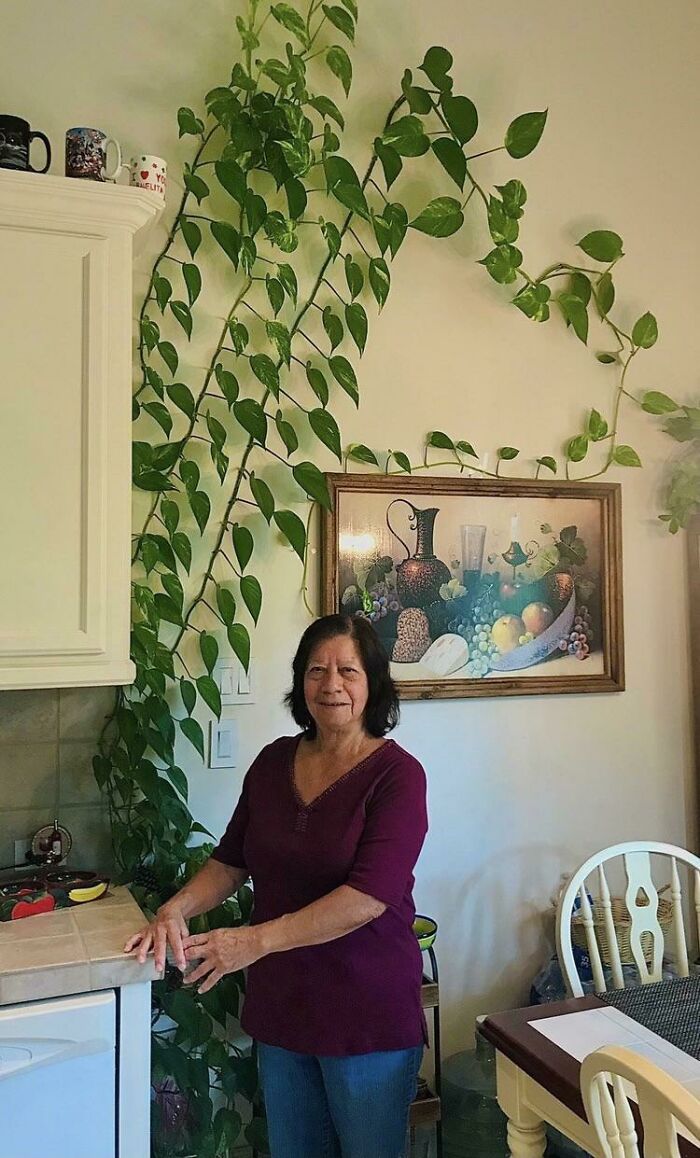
x,y
520,789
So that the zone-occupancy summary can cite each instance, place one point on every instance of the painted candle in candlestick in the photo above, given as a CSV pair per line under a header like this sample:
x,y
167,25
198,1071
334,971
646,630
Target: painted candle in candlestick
x,y
514,528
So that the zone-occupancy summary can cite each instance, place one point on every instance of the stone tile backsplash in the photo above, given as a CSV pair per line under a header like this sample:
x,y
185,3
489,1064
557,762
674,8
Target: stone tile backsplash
x,y
30,715
47,741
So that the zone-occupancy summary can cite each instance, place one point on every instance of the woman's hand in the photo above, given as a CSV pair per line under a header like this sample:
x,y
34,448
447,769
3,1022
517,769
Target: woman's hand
x,y
168,928
219,952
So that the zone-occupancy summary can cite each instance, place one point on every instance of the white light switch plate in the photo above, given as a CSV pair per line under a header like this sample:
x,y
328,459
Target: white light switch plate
x,y
223,743
235,684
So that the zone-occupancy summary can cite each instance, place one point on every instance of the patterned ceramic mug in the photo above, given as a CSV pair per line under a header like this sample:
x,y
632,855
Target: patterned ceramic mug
x,y
148,172
86,155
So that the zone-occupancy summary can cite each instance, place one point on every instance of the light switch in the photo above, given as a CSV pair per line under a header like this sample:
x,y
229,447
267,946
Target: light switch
x,y
222,743
234,682
226,685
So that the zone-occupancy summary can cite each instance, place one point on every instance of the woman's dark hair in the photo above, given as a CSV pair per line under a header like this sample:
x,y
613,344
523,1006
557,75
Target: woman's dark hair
x,y
382,711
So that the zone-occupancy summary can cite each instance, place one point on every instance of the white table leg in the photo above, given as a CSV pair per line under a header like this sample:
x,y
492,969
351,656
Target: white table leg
x,y
526,1140
526,1132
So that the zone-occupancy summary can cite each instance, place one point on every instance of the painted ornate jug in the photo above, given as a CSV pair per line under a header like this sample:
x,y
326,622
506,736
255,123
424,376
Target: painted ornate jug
x,y
420,576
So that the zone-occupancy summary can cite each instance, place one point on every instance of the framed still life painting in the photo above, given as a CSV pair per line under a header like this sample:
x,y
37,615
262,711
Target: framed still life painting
x,y
481,587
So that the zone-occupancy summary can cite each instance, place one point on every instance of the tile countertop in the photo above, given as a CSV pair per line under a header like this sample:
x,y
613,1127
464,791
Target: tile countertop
x,y
73,950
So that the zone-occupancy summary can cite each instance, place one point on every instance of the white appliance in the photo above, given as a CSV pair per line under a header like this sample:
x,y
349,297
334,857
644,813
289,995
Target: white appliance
x,y
58,1077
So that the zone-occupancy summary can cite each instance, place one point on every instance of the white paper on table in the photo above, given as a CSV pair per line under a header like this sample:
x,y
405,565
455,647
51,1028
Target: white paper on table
x,y
578,1034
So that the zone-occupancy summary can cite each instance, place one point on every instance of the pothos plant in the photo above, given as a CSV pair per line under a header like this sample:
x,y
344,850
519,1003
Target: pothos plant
x,y
303,241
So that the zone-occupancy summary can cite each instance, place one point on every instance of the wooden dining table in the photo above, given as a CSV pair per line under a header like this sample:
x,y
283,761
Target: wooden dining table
x,y
538,1081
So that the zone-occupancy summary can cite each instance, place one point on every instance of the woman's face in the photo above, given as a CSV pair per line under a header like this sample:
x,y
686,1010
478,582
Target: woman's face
x,y
335,684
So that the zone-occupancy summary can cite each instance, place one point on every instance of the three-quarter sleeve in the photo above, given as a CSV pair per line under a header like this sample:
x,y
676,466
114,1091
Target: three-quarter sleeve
x,y
395,827
229,850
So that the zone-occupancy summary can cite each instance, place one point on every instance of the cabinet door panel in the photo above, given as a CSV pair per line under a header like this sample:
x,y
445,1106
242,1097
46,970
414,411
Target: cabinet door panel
x,y
52,386
66,328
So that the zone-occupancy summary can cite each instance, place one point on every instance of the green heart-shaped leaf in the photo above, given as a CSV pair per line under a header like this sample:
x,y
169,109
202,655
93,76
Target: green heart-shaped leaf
x,y
209,649
602,245
209,692
524,133
461,115
239,639
226,605
252,595
310,479
243,544
441,218
192,730
325,428
293,530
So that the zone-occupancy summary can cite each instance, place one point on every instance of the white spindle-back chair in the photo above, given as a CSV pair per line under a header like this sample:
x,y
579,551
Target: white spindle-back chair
x,y
664,1105
641,899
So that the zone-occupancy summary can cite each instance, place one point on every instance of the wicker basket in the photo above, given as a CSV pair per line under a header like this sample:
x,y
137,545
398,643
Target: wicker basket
x,y
623,924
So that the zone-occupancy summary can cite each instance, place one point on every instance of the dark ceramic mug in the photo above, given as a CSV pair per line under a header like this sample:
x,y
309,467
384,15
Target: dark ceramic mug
x,y
15,138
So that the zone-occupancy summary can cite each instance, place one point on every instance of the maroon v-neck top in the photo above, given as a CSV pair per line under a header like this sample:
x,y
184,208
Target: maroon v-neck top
x,y
361,992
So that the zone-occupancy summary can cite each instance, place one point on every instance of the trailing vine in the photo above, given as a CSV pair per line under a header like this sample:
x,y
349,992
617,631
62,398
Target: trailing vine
x,y
267,181
588,292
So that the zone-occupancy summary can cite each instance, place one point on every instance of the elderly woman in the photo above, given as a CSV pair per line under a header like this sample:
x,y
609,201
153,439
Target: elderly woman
x,y
329,826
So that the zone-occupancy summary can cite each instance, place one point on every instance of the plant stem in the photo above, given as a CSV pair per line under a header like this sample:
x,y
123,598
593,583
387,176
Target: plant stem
x,y
475,185
615,418
304,577
361,244
330,285
484,153
200,397
163,254
295,327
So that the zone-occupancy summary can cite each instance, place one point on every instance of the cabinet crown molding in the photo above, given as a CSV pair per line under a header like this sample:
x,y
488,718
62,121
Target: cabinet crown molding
x,y
74,203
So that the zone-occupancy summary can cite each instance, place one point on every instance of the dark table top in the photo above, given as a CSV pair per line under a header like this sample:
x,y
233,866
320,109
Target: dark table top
x,y
551,1067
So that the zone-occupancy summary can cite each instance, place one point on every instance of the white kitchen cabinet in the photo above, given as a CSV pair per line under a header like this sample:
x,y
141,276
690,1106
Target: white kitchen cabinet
x,y
75,1076
58,1076
75,1033
65,428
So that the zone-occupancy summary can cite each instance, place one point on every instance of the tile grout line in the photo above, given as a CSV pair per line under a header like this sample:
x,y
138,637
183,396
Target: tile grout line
x,y
22,743
42,811
76,926
58,754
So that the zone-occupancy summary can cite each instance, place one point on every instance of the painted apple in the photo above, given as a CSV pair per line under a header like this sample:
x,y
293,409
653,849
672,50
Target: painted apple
x,y
33,908
537,617
506,632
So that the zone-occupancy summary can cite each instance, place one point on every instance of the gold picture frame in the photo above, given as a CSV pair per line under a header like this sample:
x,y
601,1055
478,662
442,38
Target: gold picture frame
x,y
481,586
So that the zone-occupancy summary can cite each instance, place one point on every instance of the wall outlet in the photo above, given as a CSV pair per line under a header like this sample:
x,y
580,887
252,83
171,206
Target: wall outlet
x,y
22,847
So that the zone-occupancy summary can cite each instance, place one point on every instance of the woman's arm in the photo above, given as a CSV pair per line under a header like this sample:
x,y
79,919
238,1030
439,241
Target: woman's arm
x,y
225,950
209,887
332,916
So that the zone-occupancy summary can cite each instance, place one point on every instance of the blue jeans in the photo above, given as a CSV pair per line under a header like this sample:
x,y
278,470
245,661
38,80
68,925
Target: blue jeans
x,y
338,1107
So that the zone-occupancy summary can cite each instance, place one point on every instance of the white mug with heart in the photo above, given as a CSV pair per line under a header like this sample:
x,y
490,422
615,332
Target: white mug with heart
x,y
148,172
